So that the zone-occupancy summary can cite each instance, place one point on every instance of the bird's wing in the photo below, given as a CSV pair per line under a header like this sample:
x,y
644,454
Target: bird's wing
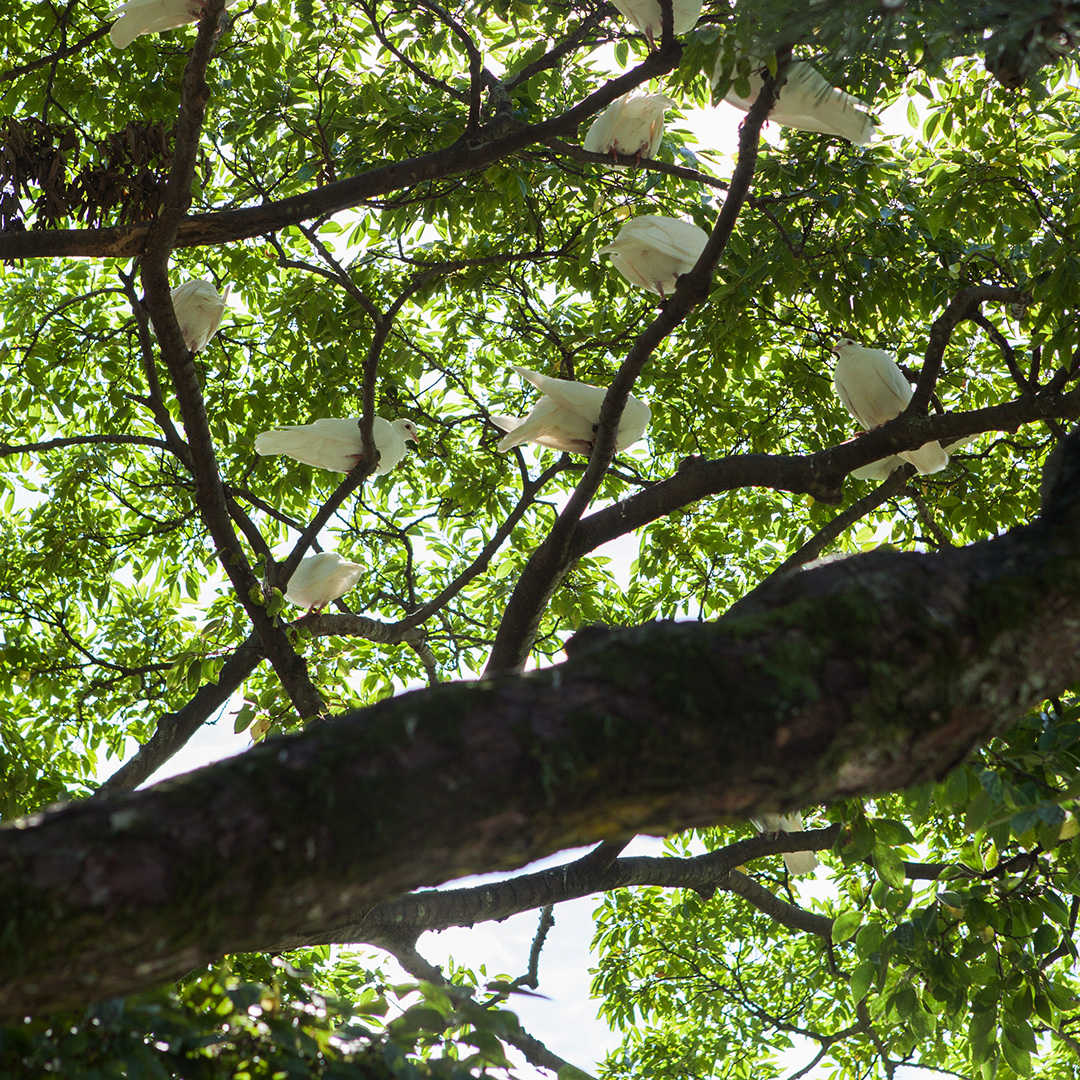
x,y
332,444
601,133
642,13
850,124
685,15
870,385
528,429
840,385
892,379
668,236
808,102
582,399
549,425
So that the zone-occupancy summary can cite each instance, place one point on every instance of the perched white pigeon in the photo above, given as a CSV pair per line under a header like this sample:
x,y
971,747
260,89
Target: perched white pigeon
x,y
874,390
321,578
652,251
645,15
199,309
335,444
797,862
565,418
806,101
632,125
151,17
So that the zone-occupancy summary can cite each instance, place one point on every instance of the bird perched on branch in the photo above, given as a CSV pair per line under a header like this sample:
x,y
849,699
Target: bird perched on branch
x,y
645,15
335,443
653,251
321,578
874,390
797,862
565,418
806,101
151,17
632,125
199,308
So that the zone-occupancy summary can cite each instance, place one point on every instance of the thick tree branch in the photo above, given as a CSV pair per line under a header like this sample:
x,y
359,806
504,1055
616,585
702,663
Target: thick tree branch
x,y
225,226
859,676
780,911
209,491
408,916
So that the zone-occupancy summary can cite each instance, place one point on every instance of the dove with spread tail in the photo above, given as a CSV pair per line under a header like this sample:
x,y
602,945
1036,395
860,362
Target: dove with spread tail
x,y
806,101
565,418
335,443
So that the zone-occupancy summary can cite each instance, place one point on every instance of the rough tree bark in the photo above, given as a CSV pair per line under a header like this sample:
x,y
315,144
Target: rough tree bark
x,y
858,676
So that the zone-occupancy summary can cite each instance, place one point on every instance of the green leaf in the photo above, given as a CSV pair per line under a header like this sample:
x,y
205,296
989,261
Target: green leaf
x,y
889,865
861,979
1017,1058
981,1032
845,925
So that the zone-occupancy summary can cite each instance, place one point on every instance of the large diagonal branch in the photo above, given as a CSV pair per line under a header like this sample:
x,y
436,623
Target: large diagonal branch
x,y
209,491
856,677
224,226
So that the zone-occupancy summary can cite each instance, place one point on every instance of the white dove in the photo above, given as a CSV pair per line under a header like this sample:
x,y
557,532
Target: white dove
x,y
797,862
653,251
199,308
806,101
632,125
335,444
874,390
152,16
565,418
645,15
321,578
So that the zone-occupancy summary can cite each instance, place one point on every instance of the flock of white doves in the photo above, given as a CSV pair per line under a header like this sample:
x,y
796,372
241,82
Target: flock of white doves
x,y
650,251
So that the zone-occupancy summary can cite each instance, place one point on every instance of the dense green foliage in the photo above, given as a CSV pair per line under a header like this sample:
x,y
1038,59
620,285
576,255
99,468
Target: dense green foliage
x,y
115,610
